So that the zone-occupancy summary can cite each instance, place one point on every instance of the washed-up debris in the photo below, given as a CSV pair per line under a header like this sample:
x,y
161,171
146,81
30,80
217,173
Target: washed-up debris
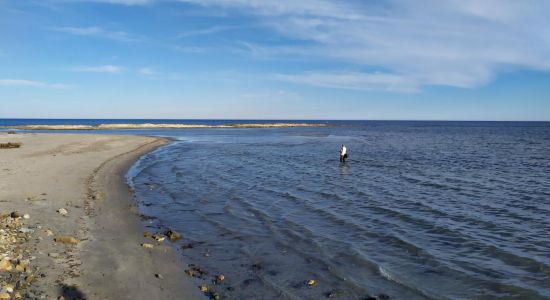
x,y
97,196
173,235
65,239
195,271
62,211
9,145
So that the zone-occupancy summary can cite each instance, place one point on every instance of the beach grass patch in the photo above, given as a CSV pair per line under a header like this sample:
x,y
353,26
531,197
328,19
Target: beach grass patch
x,y
9,145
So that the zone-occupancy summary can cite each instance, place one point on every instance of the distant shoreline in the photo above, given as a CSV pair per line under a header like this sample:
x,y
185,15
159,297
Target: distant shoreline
x,y
159,126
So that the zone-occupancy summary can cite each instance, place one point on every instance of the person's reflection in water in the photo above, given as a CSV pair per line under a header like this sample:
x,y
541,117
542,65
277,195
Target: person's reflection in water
x,y
344,169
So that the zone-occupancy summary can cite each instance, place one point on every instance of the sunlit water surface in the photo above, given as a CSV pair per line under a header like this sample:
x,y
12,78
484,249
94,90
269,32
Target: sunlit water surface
x,y
420,210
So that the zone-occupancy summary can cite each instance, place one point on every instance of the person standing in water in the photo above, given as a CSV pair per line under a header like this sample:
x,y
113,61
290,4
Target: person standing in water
x,y
343,153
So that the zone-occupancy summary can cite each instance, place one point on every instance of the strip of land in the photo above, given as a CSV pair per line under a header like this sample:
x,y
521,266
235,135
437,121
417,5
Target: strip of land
x,y
70,227
159,126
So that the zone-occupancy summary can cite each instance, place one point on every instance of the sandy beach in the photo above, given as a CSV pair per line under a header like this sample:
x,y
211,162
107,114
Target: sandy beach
x,y
72,229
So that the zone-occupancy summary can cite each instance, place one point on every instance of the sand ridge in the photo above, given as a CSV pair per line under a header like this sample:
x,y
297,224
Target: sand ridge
x,y
160,126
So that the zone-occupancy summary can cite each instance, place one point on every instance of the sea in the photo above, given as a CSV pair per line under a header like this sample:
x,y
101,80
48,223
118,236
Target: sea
x,y
420,210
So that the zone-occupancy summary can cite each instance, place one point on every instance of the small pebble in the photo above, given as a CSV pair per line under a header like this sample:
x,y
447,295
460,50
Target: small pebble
x,y
203,288
215,296
159,276
5,264
25,230
20,267
26,216
62,211
29,279
158,237
310,282
331,294
5,296
147,246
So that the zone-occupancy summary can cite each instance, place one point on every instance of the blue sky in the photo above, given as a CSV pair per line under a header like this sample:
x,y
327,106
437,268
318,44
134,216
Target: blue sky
x,y
249,59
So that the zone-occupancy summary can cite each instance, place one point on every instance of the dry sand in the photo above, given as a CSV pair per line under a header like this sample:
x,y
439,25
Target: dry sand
x,y
84,175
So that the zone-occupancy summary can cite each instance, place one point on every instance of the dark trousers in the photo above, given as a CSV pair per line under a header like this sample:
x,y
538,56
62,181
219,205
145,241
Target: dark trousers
x,y
343,158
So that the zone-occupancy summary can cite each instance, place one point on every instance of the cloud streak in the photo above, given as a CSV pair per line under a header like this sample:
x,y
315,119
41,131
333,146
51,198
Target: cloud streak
x,y
123,2
147,71
207,31
354,80
30,83
99,32
98,69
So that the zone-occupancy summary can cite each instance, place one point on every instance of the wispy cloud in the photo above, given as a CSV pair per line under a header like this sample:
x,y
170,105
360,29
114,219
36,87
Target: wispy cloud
x,y
31,83
271,95
147,71
190,49
206,31
459,43
98,69
354,80
123,2
99,32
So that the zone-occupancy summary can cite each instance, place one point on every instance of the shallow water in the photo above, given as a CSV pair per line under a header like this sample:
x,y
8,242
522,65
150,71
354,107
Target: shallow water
x,y
420,210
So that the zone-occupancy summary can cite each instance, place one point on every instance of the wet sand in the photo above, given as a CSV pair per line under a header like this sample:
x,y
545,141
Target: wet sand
x,y
73,185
